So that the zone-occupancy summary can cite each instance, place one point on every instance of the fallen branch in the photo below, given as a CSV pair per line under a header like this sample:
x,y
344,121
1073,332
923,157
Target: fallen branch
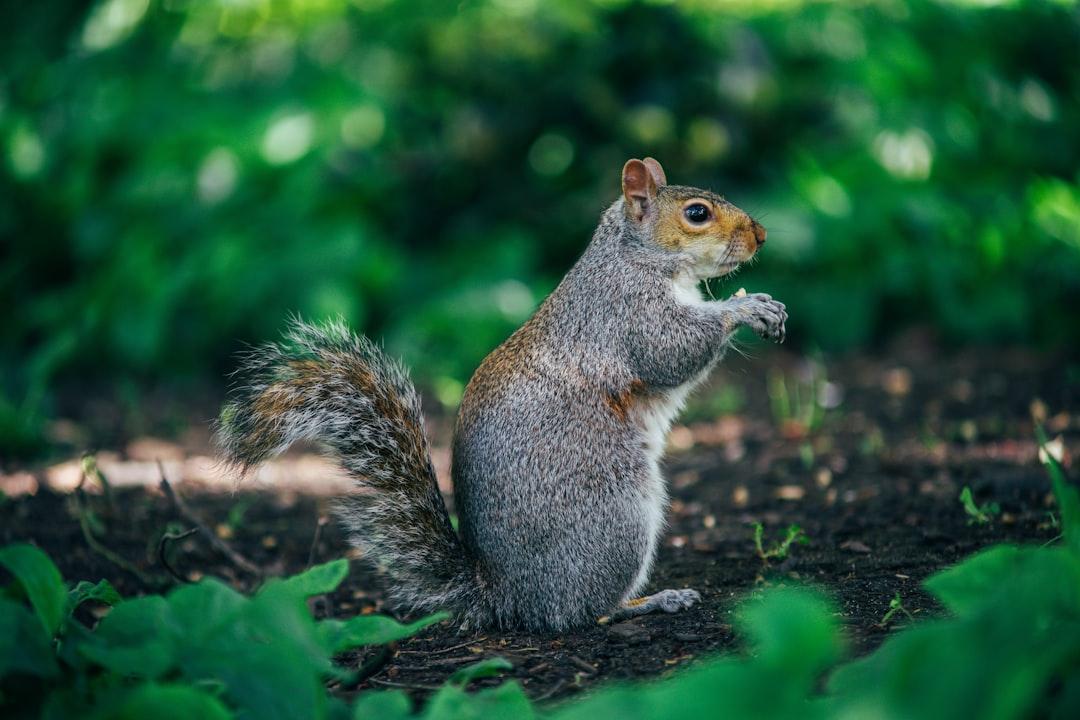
x,y
216,542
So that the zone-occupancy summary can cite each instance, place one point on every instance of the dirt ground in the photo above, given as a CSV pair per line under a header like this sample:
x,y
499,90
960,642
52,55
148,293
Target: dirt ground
x,y
873,481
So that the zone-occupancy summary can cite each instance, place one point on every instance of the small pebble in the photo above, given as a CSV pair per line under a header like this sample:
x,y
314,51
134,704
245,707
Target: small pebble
x,y
629,633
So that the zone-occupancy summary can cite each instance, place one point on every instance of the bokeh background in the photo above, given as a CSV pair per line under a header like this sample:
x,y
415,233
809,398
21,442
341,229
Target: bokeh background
x,y
176,176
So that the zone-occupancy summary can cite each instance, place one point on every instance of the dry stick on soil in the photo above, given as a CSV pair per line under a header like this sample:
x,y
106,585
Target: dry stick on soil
x,y
370,667
220,545
444,650
405,686
315,541
559,685
326,598
584,666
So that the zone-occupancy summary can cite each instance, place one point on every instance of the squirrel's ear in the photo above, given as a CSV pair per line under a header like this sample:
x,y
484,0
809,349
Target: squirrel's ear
x,y
639,186
656,171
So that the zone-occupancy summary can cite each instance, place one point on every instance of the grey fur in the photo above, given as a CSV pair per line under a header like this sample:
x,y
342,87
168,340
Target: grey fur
x,y
563,523
558,439
398,516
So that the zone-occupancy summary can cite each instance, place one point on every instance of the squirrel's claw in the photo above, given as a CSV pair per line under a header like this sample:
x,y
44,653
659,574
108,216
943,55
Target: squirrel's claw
x,y
765,316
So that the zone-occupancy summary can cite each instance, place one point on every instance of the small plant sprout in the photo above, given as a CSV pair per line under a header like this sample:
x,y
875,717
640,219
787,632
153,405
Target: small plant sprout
x,y
778,550
895,606
1052,521
977,514
1052,455
92,473
799,399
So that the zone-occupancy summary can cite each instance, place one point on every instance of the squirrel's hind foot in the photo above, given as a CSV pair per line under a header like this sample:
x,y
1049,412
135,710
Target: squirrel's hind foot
x,y
668,601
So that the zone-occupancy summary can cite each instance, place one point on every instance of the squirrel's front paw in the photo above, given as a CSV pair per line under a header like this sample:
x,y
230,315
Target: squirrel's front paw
x,y
762,314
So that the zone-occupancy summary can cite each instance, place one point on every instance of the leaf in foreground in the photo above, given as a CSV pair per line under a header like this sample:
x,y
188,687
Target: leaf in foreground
x,y
41,582
343,635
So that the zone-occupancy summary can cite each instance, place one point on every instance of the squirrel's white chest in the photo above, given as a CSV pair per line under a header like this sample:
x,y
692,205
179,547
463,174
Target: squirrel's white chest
x,y
687,290
654,418
656,415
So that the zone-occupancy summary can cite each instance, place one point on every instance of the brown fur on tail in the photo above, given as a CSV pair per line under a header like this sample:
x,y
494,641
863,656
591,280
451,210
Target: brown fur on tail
x,y
327,385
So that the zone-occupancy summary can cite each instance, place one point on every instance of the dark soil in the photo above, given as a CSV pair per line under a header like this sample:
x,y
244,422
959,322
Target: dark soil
x,y
873,485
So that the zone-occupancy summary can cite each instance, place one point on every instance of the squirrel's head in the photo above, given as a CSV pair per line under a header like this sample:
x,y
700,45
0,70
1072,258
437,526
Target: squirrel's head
x,y
714,232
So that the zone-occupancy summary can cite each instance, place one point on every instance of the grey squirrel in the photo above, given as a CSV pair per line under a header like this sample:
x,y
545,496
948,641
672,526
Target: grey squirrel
x,y
560,432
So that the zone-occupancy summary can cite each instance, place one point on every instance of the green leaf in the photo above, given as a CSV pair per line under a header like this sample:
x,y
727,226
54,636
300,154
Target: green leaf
x,y
103,592
320,579
966,586
161,702
73,638
135,639
1015,632
491,667
266,652
383,705
261,681
1065,702
794,637
743,688
201,609
793,629
342,635
1068,498
506,702
625,703
41,582
1050,578
24,647
278,611
980,514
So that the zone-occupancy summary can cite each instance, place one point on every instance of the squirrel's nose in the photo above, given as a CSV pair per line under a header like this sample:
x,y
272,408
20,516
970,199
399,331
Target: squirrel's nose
x,y
759,233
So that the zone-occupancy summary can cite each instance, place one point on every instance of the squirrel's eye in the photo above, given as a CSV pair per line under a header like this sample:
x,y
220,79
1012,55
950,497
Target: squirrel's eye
x,y
697,213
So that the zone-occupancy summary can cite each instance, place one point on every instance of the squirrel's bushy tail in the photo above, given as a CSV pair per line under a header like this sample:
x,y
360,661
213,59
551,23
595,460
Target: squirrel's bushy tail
x,y
325,384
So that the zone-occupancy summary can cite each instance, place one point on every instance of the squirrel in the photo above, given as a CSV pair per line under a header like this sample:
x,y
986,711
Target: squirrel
x,y
556,450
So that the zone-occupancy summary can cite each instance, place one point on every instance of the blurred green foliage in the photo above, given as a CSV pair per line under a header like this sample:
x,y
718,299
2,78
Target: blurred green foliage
x,y
176,176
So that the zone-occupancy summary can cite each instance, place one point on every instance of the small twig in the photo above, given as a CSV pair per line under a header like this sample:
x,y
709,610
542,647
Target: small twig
x,y
370,667
562,683
315,542
448,662
100,549
443,650
405,686
79,498
583,665
326,598
218,544
167,538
